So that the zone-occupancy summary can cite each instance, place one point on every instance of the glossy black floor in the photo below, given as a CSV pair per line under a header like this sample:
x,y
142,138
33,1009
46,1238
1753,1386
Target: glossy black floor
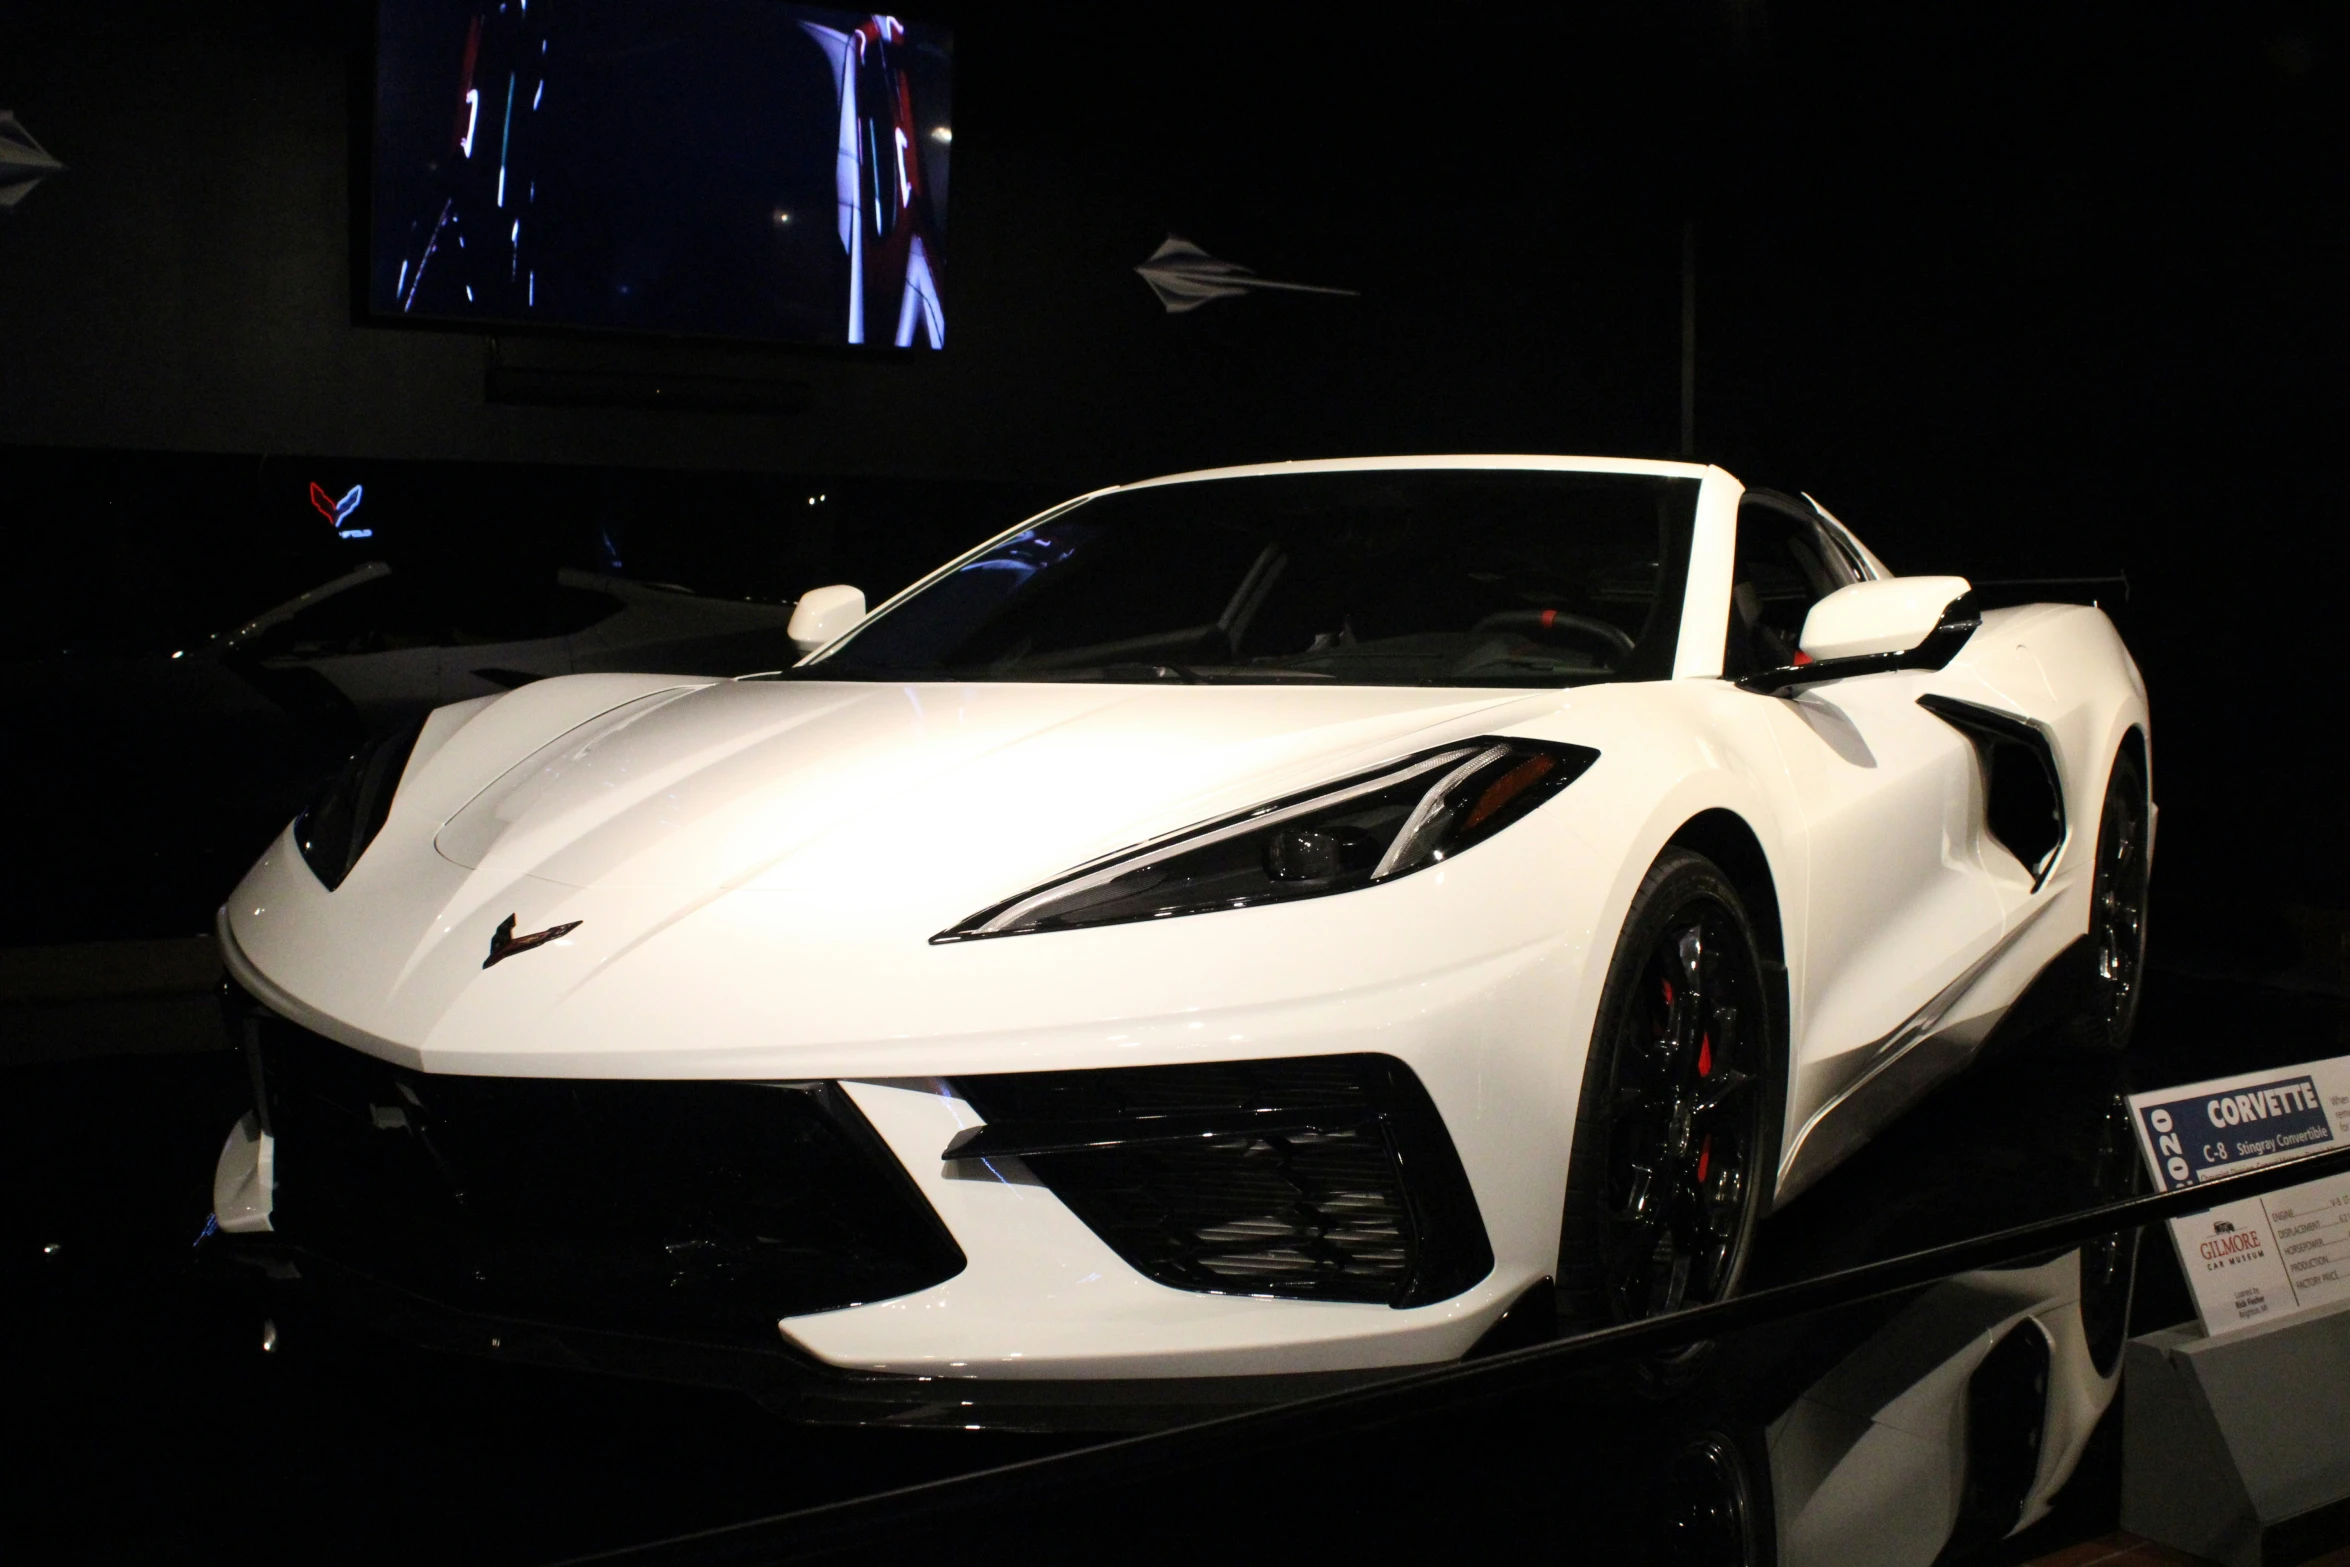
x,y
148,1422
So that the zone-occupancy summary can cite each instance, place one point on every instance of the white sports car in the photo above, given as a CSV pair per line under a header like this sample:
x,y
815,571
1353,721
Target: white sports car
x,y
1254,922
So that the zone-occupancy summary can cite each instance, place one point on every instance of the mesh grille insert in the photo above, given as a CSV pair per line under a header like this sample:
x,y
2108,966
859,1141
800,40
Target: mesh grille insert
x,y
1324,1177
704,1208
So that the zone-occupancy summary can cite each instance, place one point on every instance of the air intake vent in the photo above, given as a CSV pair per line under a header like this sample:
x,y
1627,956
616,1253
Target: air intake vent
x,y
2023,792
702,1210
337,826
2006,1418
1320,1177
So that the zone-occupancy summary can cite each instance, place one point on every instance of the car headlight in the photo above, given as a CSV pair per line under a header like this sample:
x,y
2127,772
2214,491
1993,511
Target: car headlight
x,y
343,818
1357,832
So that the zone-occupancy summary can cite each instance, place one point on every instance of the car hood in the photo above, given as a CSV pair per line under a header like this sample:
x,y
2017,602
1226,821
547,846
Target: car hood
x,y
783,849
809,786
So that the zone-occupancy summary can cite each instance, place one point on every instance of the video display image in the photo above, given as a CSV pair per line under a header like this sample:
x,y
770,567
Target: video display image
x,y
727,168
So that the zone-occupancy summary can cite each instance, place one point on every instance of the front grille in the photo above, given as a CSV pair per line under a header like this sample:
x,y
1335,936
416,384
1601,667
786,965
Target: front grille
x,y
701,1209
1320,1177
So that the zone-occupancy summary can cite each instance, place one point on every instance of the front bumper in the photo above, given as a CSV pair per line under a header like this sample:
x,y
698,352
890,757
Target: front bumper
x,y
780,1229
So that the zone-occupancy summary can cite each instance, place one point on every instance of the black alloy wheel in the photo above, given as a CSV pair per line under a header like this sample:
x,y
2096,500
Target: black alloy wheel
x,y
1676,1133
2117,911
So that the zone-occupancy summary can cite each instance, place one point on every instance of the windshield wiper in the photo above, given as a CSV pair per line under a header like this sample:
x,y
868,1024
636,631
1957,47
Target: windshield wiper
x,y
1149,671
1131,673
1217,675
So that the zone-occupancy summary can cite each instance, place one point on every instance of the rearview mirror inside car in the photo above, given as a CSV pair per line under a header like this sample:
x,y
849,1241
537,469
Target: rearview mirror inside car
x,y
1890,615
825,615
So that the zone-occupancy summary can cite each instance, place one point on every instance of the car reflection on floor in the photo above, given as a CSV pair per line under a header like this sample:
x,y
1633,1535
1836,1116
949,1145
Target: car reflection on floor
x,y
1954,1424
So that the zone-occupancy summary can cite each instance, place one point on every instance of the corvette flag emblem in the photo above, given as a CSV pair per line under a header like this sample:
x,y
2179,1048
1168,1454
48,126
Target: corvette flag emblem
x,y
504,943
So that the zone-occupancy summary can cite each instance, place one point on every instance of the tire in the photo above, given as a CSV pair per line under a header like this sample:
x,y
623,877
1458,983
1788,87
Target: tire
x,y
1677,1130
2116,970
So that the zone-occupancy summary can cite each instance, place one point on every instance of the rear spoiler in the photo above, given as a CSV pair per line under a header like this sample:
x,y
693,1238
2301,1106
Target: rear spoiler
x,y
2003,593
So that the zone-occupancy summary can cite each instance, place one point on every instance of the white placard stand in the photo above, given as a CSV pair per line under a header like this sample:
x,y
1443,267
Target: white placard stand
x,y
2236,1438
2264,1257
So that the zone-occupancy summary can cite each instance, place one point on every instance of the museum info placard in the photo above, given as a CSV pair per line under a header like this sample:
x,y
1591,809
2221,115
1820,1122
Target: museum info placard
x,y
2206,1131
2262,1257
2267,1257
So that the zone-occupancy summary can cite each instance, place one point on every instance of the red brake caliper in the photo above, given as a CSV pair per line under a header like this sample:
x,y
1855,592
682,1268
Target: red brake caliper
x,y
1705,1068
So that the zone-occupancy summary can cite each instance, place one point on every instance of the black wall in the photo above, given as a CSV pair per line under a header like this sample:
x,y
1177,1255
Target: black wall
x,y
187,282
2015,290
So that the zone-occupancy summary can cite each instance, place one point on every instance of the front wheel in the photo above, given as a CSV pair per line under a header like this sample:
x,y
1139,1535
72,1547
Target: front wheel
x,y
1676,1134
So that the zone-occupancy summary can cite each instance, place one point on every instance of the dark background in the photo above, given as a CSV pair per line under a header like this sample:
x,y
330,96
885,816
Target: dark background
x,y
2015,290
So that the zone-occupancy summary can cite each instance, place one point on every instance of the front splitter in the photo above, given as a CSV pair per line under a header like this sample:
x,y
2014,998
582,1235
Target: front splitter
x,y
782,1379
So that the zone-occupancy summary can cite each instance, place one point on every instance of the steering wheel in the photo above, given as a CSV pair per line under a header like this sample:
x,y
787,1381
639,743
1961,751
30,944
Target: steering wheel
x,y
1531,621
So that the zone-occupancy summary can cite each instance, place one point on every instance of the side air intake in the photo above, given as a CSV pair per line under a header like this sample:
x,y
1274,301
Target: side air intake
x,y
2024,798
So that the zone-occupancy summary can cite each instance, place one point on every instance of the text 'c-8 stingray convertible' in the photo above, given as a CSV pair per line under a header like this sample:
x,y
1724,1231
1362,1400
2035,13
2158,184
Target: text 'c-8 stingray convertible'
x,y
1229,931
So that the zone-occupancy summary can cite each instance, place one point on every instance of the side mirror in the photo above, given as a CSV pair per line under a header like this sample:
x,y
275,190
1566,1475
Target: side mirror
x,y
1890,615
1867,628
825,615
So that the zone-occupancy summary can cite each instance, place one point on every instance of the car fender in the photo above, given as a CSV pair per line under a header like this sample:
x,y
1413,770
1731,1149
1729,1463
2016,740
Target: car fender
x,y
1692,747
2063,668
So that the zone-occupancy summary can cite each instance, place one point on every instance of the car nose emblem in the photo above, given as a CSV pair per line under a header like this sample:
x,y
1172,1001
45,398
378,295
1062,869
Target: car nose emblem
x,y
504,943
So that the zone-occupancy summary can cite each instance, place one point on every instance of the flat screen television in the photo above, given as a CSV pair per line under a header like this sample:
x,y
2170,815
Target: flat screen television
x,y
726,168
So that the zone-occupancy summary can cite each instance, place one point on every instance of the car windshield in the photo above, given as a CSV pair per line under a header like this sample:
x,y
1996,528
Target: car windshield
x,y
1452,577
